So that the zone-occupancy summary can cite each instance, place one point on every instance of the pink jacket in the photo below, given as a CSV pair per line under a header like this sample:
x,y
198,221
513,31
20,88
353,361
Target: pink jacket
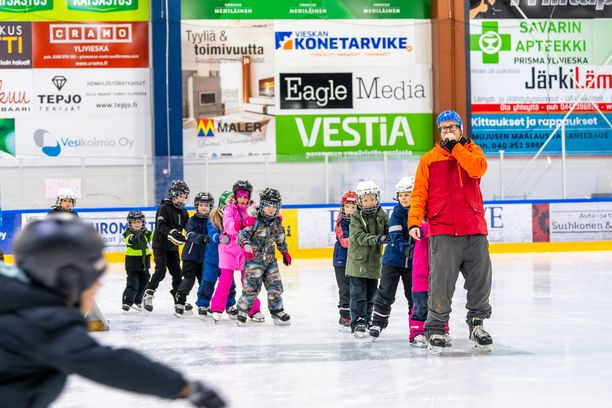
x,y
420,263
231,255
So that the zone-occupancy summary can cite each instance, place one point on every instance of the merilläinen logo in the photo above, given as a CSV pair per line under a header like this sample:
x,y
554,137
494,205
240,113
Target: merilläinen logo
x,y
206,128
490,42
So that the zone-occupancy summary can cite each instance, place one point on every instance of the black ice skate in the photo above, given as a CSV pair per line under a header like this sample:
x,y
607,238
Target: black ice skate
x,y
437,343
203,311
481,340
188,308
126,308
147,300
241,318
375,331
179,310
137,307
232,312
280,318
345,324
360,329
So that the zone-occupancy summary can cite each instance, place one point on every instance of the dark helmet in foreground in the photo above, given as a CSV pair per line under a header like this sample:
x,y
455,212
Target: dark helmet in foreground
x,y
61,254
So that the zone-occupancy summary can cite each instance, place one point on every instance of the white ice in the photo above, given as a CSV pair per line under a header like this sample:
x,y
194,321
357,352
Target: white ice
x,y
552,347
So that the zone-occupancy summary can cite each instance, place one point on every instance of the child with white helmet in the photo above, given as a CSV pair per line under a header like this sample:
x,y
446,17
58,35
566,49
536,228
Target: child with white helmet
x,y
369,228
65,201
397,260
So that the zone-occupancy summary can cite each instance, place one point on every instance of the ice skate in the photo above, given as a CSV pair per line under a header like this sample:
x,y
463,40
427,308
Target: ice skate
x,y
258,317
188,308
375,331
241,318
147,301
419,341
217,316
360,329
137,307
437,343
126,308
481,339
232,312
280,318
344,324
203,312
179,310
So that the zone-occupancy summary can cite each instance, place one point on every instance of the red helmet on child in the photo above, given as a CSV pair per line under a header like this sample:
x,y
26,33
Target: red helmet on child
x,y
349,197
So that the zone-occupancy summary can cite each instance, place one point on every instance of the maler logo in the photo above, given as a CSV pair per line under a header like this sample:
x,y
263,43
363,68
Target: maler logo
x,y
205,128
90,33
25,6
106,6
490,42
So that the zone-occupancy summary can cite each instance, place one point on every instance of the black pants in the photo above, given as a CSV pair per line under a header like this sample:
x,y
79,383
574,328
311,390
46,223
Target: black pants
x,y
362,300
135,286
191,271
344,291
385,296
166,259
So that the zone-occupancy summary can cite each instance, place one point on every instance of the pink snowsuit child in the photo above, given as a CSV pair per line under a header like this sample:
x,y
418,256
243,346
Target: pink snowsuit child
x,y
231,258
420,288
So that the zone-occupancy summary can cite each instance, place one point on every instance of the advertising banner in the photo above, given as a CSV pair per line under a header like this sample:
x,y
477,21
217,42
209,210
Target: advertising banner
x,y
91,45
74,10
577,222
15,45
16,93
526,75
297,9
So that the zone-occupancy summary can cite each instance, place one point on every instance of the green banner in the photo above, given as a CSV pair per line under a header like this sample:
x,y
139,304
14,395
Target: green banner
x,y
300,9
74,10
311,137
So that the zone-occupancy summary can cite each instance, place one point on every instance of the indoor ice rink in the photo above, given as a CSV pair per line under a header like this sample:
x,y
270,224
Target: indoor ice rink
x,y
552,345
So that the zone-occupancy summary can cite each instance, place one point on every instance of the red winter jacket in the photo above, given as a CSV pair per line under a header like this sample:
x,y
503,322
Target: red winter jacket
x,y
447,191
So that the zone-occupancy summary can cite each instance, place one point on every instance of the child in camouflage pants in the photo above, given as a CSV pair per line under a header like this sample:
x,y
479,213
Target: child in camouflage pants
x,y
263,229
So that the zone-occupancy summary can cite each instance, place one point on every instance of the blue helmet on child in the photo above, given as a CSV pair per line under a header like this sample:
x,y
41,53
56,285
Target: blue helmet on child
x,y
450,115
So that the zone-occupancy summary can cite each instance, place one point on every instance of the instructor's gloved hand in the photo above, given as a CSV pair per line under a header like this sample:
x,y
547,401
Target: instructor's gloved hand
x,y
224,238
202,396
383,239
205,239
249,254
286,258
448,144
176,237
415,232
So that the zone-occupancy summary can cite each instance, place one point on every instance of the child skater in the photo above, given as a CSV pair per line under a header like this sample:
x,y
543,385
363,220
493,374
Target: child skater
x,y
211,263
397,260
64,203
369,229
170,221
257,240
420,289
137,260
194,249
231,256
348,206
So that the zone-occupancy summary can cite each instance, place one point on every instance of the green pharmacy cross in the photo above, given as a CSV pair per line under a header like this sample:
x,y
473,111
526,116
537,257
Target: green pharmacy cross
x,y
490,42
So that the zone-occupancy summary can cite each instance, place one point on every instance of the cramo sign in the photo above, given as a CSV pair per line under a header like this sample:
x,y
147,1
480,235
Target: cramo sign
x,y
352,131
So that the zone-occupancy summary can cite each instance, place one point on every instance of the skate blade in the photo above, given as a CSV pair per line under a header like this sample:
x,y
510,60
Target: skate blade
x,y
485,348
280,322
360,335
178,316
344,329
436,350
418,345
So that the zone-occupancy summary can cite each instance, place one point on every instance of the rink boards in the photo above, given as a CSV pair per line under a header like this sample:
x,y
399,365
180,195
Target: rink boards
x,y
521,226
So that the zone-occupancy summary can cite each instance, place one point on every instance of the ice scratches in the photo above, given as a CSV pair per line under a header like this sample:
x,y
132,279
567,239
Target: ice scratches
x,y
328,352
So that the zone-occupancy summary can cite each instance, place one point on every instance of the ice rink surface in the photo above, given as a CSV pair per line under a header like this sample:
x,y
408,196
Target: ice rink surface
x,y
551,325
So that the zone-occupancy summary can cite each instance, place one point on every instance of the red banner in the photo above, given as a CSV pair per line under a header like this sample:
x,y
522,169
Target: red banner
x,y
90,45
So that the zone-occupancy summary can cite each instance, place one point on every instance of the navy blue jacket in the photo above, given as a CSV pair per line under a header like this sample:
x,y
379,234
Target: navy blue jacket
x,y
400,240
42,341
195,232
341,246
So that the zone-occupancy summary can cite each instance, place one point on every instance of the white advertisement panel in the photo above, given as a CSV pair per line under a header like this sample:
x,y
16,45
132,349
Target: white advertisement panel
x,y
59,138
91,92
110,224
578,222
16,94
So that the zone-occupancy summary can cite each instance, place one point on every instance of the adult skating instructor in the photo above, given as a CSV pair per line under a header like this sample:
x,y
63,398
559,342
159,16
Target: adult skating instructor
x,y
447,193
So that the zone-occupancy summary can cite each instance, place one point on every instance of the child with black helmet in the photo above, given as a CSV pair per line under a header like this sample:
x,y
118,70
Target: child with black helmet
x,y
170,221
137,260
194,249
258,240
43,335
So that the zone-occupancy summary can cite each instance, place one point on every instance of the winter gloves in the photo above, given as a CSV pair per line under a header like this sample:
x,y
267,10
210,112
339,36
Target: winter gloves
x,y
383,239
249,221
203,397
224,238
249,254
176,237
448,144
286,258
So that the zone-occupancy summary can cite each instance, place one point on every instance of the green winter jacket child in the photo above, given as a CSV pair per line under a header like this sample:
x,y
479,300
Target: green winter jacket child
x,y
364,253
